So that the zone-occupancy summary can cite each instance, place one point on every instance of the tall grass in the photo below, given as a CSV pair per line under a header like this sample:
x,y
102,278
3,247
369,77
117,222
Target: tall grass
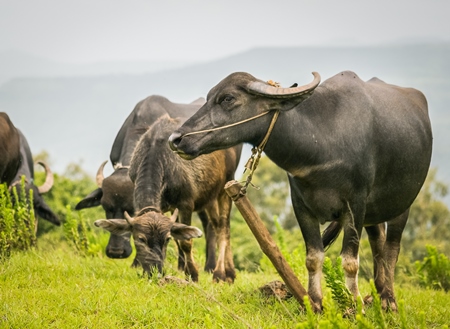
x,y
17,220
57,286
434,271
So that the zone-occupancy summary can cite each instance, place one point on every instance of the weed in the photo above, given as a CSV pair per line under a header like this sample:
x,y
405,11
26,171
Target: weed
x,y
434,271
335,281
17,220
80,235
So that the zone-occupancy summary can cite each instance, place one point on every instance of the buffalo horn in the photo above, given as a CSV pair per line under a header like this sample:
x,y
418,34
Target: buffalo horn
x,y
44,188
99,178
174,216
128,218
265,89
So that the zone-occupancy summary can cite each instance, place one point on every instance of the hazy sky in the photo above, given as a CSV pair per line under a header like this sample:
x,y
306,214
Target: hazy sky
x,y
97,30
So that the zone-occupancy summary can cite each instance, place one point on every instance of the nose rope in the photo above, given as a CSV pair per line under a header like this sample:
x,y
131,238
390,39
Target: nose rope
x,y
227,126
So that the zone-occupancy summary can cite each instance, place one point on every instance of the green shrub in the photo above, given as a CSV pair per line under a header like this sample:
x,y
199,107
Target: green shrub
x,y
17,221
81,236
332,318
434,270
68,189
335,281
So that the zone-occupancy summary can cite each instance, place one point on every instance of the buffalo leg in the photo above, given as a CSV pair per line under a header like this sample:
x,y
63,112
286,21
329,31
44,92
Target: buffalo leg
x,y
219,214
310,228
352,225
210,250
190,268
181,261
225,210
395,229
377,238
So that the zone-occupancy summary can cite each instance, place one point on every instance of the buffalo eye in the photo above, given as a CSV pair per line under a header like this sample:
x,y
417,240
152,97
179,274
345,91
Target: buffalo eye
x,y
142,239
227,100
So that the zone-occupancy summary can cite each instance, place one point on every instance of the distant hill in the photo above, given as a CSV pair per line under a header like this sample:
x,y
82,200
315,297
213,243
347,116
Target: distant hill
x,y
76,117
14,64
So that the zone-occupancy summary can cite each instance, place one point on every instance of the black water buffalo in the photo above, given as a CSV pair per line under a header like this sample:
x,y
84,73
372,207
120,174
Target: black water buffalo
x,y
26,169
164,182
9,149
115,192
356,153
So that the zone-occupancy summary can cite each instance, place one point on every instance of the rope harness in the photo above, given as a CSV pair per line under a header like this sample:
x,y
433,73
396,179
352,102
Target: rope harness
x,y
253,161
118,166
148,209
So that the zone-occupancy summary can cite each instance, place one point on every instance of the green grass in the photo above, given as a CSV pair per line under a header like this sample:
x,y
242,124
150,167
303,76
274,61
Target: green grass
x,y
56,287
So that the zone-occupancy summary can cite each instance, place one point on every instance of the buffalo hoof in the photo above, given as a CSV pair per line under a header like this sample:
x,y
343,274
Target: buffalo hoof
x,y
220,276
231,275
191,276
209,267
368,300
194,278
387,303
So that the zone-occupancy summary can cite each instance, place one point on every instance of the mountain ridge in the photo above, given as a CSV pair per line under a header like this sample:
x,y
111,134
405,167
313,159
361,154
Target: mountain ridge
x,y
78,117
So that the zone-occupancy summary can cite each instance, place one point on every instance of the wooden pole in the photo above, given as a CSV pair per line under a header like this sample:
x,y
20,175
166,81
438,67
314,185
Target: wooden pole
x,y
267,244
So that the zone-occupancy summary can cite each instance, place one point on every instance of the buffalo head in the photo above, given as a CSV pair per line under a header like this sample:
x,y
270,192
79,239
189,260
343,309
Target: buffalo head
x,y
235,112
151,232
115,195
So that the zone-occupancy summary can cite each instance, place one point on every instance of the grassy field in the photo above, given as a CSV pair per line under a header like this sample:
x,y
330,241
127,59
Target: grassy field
x,y
55,287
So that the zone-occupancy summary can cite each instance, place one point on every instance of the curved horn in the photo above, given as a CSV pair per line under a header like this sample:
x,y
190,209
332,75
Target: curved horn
x,y
44,188
265,89
174,216
99,178
128,218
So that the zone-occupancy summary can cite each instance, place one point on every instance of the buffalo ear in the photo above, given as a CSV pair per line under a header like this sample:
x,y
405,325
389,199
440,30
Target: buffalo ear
x,y
92,200
286,104
183,232
115,226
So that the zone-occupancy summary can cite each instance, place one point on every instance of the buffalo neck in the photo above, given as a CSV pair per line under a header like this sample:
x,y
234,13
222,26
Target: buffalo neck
x,y
149,182
298,139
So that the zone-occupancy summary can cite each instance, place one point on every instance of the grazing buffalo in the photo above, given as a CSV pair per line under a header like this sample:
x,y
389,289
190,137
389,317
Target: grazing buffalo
x,y
26,169
356,153
164,182
115,192
9,149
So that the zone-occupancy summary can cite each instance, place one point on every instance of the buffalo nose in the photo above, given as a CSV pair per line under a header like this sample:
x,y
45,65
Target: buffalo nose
x,y
174,140
116,253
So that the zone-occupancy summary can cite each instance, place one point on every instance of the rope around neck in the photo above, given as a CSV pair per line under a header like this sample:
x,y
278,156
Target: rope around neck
x,y
253,161
148,209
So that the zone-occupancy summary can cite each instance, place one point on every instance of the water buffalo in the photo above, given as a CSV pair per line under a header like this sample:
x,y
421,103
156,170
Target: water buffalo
x,y
355,152
26,169
164,182
9,149
115,192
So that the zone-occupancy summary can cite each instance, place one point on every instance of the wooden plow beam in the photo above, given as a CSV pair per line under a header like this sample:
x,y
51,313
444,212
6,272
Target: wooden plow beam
x,y
266,242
